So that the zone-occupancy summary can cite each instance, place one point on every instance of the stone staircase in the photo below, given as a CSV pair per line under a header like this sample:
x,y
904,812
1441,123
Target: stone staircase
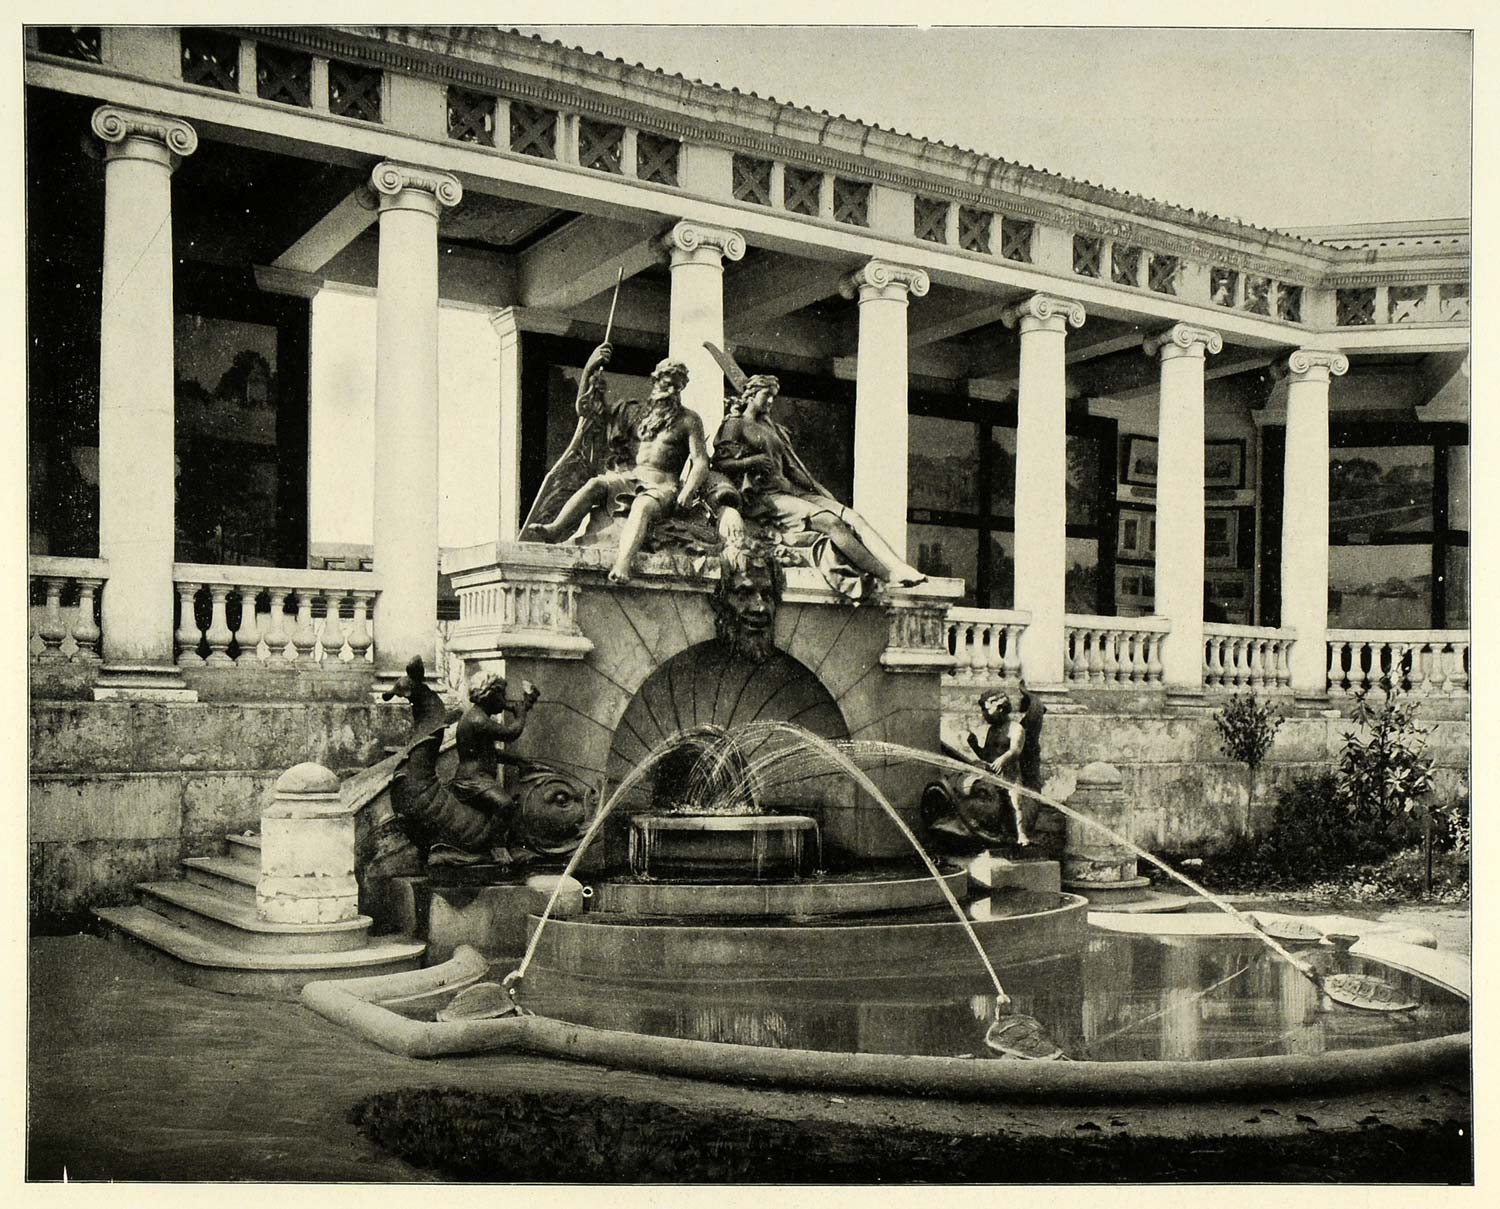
x,y
209,931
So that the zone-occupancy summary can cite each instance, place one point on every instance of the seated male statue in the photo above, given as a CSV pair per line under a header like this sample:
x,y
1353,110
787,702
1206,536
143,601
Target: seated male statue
x,y
657,459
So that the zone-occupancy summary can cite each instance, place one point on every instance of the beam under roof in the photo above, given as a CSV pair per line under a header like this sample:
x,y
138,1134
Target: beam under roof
x,y
582,260
331,234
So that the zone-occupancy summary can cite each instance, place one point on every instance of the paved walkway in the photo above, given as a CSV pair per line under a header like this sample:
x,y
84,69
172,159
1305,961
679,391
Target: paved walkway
x,y
134,1076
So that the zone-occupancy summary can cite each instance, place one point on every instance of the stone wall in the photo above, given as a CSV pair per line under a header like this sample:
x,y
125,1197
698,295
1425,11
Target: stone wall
x,y
1187,794
120,791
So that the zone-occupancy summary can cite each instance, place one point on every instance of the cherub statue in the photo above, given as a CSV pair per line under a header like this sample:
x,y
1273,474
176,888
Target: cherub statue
x,y
779,493
646,459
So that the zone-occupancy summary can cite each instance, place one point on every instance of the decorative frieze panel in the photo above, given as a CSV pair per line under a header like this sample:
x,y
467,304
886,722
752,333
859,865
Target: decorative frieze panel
x,y
930,219
82,42
1125,264
1161,273
1258,295
752,180
1016,236
533,130
471,116
1222,284
1088,255
851,202
974,229
522,612
1453,303
283,76
211,59
354,91
600,145
657,158
1355,308
1406,303
1289,303
803,189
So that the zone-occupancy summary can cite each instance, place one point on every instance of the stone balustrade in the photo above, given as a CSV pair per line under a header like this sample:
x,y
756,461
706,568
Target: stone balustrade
x,y
1113,652
986,644
63,620
295,618
1426,663
1242,657
530,611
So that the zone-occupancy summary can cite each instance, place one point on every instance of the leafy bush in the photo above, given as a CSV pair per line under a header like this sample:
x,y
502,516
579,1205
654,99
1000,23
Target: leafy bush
x,y
1386,771
1247,729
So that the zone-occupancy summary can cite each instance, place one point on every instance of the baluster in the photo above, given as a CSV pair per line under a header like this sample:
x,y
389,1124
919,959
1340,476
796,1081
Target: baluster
x,y
218,635
963,650
1095,666
1129,640
247,636
1110,661
1421,667
1154,668
1460,668
1335,668
340,650
359,637
1366,661
304,634
86,631
52,629
187,628
276,631
1070,660
1213,663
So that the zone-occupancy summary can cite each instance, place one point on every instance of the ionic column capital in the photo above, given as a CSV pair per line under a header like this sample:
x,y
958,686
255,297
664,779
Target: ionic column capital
x,y
1183,340
138,134
409,187
882,280
693,243
1046,312
1316,365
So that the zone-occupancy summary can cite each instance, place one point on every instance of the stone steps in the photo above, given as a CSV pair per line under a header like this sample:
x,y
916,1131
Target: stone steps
x,y
231,878
198,961
204,928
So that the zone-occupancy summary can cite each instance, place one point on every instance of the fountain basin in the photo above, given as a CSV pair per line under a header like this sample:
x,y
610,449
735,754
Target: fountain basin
x,y
765,847
1016,926
833,896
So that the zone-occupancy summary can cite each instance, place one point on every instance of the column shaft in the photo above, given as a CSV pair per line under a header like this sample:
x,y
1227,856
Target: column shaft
x,y
880,390
1041,533
1179,501
1304,525
137,479
406,395
697,312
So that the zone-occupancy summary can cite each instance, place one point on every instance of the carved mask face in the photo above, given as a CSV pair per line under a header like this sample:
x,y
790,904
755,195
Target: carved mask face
x,y
745,607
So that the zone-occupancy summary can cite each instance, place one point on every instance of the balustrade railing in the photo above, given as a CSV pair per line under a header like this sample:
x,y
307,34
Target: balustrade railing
x,y
63,618
273,617
1426,663
1113,652
986,643
1242,657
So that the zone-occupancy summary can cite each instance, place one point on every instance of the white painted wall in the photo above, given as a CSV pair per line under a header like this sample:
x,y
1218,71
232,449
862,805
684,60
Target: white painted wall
x,y
341,440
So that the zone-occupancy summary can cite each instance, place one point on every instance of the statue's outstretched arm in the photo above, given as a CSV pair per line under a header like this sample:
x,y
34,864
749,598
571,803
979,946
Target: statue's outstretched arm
x,y
697,467
592,391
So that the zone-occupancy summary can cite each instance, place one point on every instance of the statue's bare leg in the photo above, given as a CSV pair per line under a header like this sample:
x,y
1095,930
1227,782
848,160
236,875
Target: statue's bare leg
x,y
849,545
642,512
902,573
583,501
1015,804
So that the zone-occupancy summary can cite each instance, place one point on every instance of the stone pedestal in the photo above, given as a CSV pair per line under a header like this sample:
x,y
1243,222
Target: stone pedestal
x,y
406,424
697,312
880,395
1179,500
307,852
137,492
1041,544
1100,868
1304,525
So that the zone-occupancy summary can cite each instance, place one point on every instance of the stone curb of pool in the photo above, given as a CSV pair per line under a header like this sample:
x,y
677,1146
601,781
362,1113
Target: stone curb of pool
x,y
367,1006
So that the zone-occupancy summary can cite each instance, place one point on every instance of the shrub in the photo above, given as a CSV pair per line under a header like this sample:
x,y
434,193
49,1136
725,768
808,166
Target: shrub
x,y
1247,729
1386,771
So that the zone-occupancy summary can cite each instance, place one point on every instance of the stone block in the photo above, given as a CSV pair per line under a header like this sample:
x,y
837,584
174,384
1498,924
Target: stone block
x,y
306,848
491,919
224,802
118,806
307,899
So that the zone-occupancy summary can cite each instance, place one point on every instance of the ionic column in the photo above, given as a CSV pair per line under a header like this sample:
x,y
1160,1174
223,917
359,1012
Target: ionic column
x,y
406,423
1041,503
1179,500
137,480
697,255
880,394
1304,519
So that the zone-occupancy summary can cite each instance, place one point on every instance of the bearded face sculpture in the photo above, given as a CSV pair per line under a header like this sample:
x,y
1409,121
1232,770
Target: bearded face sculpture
x,y
745,600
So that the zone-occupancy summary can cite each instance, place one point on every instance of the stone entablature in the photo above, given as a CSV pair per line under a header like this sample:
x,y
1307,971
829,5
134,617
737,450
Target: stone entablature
x,y
580,86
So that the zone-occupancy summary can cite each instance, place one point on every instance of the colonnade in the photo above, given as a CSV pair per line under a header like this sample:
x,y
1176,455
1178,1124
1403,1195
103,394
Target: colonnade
x,y
136,479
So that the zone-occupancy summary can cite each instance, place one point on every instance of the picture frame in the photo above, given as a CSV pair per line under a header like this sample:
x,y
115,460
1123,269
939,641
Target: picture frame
x,y
1140,461
1230,593
1135,533
1135,590
1224,464
1221,538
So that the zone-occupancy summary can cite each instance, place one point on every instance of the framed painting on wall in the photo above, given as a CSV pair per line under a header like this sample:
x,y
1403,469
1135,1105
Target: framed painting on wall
x,y
1135,533
1135,591
1221,538
1227,597
1140,461
1224,464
